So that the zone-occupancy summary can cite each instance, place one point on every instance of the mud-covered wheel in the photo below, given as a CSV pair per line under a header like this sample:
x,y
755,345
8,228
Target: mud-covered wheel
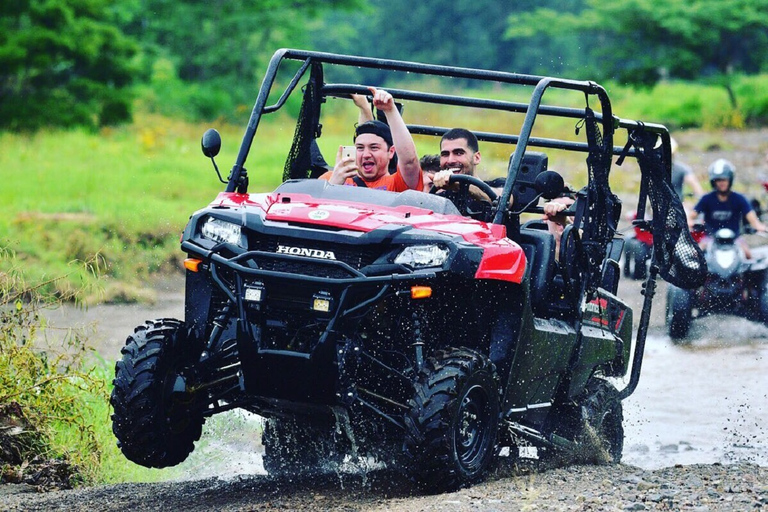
x,y
155,426
293,447
602,421
679,312
451,429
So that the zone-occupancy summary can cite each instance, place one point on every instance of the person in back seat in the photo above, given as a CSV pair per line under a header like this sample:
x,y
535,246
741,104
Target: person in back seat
x,y
554,217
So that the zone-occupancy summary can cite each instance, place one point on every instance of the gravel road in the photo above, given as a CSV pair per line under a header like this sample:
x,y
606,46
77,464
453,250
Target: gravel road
x,y
715,487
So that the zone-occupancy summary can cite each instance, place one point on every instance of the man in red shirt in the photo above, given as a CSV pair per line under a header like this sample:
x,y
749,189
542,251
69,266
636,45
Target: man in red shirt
x,y
376,144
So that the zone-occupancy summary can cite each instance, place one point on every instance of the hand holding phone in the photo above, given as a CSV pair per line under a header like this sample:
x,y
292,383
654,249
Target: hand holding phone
x,y
348,152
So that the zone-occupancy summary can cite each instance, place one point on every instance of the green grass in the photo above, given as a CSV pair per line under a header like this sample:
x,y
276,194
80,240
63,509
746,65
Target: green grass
x,y
57,389
124,194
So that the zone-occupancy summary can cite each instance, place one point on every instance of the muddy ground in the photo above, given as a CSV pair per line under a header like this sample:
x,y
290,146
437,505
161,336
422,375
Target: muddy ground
x,y
737,485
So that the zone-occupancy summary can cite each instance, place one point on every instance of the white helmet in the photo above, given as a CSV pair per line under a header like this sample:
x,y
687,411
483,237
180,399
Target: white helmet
x,y
721,169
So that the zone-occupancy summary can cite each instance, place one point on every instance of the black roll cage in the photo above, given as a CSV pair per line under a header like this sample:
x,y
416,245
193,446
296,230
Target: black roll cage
x,y
532,109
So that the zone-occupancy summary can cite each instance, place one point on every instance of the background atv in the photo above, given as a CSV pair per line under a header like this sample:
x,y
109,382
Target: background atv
x,y
734,285
363,323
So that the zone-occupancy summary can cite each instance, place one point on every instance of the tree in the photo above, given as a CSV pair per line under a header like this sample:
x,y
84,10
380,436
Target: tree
x,y
225,41
467,33
640,41
64,63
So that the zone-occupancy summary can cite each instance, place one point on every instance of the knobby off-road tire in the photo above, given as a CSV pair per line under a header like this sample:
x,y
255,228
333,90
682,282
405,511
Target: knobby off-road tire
x,y
295,447
154,427
679,312
602,421
451,429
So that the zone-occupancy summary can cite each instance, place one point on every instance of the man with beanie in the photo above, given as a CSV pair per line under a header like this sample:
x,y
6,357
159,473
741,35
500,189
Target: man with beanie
x,y
376,143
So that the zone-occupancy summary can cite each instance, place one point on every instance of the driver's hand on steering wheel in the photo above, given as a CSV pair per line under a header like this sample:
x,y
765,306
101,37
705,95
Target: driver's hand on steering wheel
x,y
440,178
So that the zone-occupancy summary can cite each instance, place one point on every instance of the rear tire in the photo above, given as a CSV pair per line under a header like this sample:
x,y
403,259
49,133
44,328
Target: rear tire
x,y
451,430
679,314
154,426
603,420
593,422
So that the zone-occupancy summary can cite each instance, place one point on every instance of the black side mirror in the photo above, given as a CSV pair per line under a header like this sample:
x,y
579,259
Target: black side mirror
x,y
549,184
211,143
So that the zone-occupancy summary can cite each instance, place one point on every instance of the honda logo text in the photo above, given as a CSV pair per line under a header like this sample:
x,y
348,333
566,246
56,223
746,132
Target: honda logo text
x,y
303,251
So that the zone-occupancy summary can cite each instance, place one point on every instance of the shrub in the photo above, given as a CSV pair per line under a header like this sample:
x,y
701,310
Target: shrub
x,y
47,437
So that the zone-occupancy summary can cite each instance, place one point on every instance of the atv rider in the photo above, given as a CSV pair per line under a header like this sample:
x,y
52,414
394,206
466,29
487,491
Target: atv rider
x,y
376,144
682,173
724,208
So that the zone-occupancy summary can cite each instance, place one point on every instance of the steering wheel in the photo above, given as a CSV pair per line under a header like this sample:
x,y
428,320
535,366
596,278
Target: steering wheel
x,y
462,198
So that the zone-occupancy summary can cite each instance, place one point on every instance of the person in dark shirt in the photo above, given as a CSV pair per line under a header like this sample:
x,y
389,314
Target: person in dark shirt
x,y
724,208
460,154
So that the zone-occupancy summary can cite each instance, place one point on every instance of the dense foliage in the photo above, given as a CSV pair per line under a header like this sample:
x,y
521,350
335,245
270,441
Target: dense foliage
x,y
70,62
63,63
643,41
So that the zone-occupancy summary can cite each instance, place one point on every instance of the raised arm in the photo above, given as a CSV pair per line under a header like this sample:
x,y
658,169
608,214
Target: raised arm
x,y
407,158
365,113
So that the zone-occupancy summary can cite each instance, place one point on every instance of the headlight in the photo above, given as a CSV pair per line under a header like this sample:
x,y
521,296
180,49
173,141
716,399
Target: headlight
x,y
222,231
725,258
418,256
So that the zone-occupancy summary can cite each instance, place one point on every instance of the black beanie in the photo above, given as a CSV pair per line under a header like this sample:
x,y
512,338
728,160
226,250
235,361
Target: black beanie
x,y
376,128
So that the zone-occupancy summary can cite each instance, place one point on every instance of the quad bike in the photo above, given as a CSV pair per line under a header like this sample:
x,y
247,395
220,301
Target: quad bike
x,y
398,326
734,285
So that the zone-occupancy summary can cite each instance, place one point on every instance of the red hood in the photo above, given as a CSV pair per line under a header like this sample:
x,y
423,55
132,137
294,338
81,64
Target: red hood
x,y
502,258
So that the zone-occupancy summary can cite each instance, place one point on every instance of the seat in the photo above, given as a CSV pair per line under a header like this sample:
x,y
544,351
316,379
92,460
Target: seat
x,y
565,288
539,248
536,224
611,271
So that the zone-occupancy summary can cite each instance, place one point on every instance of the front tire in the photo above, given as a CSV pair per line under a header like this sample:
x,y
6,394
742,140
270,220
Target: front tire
x,y
155,426
679,314
451,430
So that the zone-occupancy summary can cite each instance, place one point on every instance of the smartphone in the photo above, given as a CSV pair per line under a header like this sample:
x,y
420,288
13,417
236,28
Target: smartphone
x,y
348,152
